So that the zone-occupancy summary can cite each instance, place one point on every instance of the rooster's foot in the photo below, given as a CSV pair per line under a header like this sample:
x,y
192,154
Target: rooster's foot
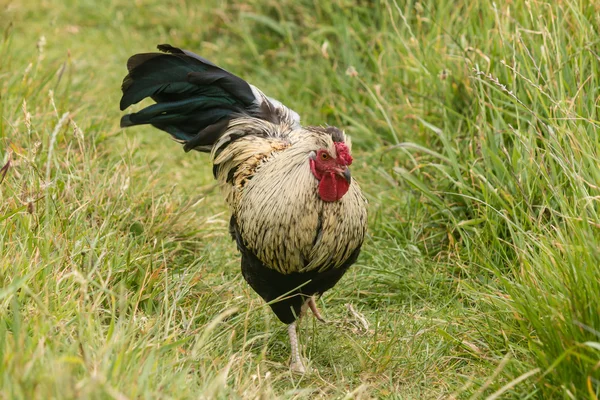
x,y
296,364
297,367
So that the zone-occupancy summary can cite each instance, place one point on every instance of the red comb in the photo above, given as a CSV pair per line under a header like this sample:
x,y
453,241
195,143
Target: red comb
x,y
343,153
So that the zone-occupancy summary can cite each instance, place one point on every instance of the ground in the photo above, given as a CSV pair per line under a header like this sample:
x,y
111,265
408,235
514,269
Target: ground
x,y
475,136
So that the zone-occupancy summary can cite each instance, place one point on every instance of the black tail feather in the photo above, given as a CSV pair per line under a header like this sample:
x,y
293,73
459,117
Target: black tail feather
x,y
194,98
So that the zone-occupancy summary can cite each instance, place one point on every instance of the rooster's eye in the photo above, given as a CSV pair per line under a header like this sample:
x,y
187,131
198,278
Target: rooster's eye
x,y
324,156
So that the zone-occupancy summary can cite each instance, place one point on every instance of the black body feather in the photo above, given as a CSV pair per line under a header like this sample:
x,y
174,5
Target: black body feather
x,y
194,98
286,293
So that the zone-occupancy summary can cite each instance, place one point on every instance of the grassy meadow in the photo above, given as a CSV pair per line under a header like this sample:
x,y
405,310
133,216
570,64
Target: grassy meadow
x,y
476,139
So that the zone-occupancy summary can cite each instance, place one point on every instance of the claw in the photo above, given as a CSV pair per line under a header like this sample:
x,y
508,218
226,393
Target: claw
x,y
313,307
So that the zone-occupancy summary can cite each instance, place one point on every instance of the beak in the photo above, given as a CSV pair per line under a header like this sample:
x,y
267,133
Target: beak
x,y
346,175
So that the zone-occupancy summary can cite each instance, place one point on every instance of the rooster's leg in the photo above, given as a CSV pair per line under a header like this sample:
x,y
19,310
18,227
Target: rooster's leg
x,y
314,309
296,365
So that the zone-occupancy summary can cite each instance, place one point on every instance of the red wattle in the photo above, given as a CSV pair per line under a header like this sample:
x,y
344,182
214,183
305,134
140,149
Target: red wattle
x,y
332,187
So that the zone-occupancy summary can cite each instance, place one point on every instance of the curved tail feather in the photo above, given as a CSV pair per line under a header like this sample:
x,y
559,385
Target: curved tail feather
x,y
195,99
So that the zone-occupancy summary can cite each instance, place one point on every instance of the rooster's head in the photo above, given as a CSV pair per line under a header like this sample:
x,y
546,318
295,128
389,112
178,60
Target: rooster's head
x,y
331,168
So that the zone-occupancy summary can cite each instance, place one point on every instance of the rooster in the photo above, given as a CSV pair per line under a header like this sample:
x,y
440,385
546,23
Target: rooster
x,y
297,216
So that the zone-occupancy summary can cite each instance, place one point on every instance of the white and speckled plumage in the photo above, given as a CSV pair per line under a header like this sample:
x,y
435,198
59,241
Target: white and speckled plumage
x,y
274,196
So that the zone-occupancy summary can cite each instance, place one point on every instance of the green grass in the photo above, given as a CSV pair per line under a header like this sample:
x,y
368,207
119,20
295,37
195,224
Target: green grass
x,y
476,138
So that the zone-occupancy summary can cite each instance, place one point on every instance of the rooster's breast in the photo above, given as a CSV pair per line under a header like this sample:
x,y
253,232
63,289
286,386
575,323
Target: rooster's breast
x,y
285,224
